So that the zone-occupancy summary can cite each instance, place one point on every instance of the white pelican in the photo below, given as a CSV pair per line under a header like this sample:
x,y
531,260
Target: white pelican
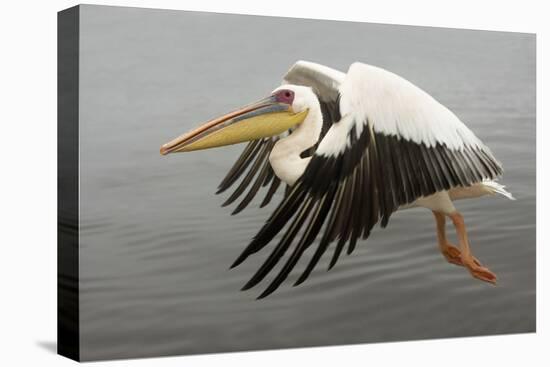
x,y
352,149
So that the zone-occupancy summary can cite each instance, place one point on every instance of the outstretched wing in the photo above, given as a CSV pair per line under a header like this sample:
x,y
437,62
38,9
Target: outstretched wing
x,y
254,160
393,145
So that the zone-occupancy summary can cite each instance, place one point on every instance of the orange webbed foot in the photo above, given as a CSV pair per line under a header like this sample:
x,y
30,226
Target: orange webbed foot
x,y
479,271
453,255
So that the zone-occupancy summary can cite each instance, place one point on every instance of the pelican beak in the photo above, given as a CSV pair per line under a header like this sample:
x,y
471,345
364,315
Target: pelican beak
x,y
267,117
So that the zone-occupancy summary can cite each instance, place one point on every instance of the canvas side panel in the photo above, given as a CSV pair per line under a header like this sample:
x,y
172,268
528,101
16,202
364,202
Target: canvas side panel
x,y
67,183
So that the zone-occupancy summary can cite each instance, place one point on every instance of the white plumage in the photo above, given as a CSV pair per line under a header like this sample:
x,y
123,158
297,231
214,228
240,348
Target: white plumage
x,y
395,106
285,156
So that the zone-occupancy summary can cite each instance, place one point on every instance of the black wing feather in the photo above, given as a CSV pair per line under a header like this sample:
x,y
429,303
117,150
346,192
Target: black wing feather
x,y
240,165
263,152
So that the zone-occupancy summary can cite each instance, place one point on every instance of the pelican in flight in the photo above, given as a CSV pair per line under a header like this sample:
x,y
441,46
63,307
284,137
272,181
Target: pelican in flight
x,y
352,149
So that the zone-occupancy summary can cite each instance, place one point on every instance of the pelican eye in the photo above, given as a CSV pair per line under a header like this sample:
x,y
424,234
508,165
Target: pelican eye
x,y
285,96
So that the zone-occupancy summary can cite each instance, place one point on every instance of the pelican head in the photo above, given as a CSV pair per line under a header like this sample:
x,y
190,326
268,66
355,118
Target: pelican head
x,y
270,116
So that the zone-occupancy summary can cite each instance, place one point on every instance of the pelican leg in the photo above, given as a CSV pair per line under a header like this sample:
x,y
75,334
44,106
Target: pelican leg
x,y
449,252
468,260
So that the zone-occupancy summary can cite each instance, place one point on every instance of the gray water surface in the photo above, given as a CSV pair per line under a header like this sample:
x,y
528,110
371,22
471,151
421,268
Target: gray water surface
x,y
156,245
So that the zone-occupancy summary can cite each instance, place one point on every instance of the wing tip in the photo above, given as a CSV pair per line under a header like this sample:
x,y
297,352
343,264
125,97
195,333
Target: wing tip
x,y
242,257
248,285
238,209
300,280
266,293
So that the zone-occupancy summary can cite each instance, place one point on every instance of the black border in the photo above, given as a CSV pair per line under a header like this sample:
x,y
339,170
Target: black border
x,y
68,330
